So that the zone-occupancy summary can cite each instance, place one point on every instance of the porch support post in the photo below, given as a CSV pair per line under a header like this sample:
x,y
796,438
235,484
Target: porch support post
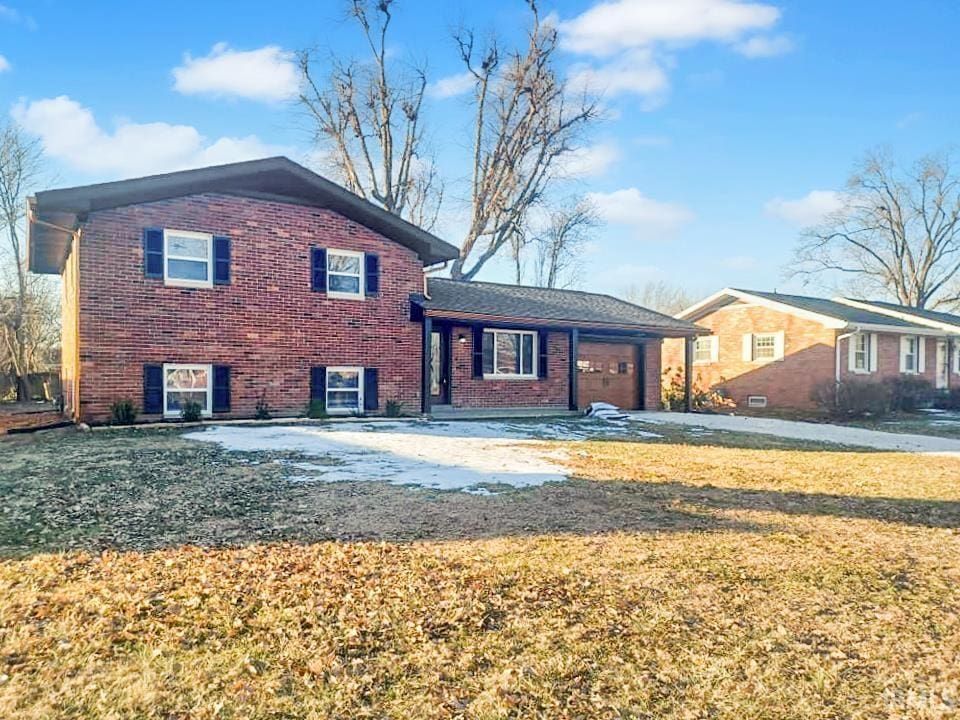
x,y
425,372
688,374
574,354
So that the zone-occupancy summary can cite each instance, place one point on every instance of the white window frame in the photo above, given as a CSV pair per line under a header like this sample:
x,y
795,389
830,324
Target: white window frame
x,y
359,390
713,349
954,349
207,411
856,351
904,354
533,362
167,257
361,293
773,338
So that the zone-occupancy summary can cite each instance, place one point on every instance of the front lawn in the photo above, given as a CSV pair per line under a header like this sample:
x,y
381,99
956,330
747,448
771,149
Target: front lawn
x,y
686,576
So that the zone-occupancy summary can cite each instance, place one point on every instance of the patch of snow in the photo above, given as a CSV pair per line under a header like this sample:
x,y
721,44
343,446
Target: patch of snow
x,y
605,411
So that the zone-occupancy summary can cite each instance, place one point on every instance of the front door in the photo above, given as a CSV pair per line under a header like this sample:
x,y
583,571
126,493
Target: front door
x,y
942,365
440,367
608,372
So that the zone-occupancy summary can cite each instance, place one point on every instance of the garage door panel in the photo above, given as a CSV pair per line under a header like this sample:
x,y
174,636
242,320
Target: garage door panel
x,y
608,372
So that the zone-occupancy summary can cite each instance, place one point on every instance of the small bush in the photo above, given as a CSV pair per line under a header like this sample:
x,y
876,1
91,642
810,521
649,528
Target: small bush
x,y
909,394
853,398
317,409
263,407
123,412
393,408
190,411
949,400
673,392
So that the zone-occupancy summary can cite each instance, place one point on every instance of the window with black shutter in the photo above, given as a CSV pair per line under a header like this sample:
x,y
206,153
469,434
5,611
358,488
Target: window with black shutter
x,y
221,388
371,392
221,260
152,389
318,383
153,253
372,274
542,339
318,269
477,352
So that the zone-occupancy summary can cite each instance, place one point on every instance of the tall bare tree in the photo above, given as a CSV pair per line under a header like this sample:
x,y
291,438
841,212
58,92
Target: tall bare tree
x,y
896,233
369,117
28,324
526,119
659,295
558,247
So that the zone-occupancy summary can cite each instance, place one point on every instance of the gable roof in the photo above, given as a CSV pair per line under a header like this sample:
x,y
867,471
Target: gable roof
x,y
54,214
831,313
494,301
931,318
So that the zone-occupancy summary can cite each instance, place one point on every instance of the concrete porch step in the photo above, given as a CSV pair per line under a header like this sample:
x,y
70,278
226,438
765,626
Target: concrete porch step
x,y
448,412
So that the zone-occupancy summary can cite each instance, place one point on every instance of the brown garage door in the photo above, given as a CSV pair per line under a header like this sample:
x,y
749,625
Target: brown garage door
x,y
607,372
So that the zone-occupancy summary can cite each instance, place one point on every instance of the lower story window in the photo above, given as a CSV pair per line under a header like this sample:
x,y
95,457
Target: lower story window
x,y
861,352
344,390
509,353
187,383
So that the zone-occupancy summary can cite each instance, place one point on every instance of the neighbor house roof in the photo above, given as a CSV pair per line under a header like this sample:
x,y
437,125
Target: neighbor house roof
x,y
931,318
483,301
54,214
831,313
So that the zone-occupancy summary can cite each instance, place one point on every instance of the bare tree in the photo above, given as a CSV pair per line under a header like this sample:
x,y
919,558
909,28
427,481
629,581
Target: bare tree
x,y
369,118
28,311
559,245
660,296
526,118
897,232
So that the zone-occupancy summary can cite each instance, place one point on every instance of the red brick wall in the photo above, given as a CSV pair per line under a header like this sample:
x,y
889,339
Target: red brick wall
x,y
267,324
468,391
652,353
788,383
888,360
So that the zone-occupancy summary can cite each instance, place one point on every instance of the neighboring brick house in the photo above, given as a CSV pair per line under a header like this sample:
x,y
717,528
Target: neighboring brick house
x,y
775,350
262,282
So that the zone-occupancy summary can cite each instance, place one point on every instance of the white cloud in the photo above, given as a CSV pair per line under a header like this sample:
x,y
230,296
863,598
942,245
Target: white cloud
x,y
452,85
763,46
635,72
592,161
649,218
807,211
4,64
268,74
611,27
69,132
13,15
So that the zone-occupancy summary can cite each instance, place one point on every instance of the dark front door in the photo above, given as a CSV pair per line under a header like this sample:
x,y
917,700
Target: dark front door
x,y
440,367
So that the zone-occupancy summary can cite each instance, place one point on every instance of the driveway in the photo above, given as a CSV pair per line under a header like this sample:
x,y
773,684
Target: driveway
x,y
813,432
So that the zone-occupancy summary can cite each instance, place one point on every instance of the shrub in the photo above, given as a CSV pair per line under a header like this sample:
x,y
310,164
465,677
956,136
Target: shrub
x,y
394,408
190,411
949,400
317,409
853,398
263,407
123,412
909,394
673,392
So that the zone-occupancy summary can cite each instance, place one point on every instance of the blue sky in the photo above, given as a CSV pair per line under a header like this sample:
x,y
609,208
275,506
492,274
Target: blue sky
x,y
731,123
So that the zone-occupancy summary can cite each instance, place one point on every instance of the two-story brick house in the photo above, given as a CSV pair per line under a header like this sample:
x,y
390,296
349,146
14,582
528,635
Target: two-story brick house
x,y
773,350
262,282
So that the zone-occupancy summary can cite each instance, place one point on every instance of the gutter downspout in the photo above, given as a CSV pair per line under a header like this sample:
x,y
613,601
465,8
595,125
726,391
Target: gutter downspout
x,y
836,386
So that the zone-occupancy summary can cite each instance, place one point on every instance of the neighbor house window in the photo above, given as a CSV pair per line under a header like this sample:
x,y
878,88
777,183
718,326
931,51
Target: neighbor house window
x,y
909,354
509,353
861,352
705,350
188,258
765,346
344,390
344,274
187,383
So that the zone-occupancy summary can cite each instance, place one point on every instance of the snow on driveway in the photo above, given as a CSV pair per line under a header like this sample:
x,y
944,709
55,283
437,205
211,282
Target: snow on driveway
x,y
446,456
814,432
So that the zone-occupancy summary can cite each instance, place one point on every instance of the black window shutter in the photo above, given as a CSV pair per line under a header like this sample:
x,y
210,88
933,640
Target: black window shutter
x,y
542,338
488,340
318,269
221,260
221,388
477,352
152,389
372,279
318,383
153,252
371,401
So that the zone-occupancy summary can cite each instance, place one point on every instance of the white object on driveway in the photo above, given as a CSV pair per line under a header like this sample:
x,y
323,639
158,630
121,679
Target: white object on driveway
x,y
606,411
814,432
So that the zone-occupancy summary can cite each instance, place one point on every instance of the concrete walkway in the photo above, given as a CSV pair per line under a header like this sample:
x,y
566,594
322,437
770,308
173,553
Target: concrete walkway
x,y
814,432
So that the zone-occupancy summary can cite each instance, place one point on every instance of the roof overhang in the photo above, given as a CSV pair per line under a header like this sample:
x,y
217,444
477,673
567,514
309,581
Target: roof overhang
x,y
901,315
55,215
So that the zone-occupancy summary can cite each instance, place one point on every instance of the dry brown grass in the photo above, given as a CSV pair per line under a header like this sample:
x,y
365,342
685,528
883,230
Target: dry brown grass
x,y
826,586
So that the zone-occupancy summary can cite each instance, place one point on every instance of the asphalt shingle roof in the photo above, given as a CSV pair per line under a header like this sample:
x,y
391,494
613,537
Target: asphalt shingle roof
x,y
934,315
832,308
536,303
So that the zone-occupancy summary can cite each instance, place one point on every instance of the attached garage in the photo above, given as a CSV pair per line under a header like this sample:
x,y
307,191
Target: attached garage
x,y
610,372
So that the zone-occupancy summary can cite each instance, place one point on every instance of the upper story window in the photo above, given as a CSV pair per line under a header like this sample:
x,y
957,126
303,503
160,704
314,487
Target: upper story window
x,y
765,346
344,273
509,353
705,349
188,258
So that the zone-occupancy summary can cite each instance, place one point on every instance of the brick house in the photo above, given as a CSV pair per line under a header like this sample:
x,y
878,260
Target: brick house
x,y
774,350
262,282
